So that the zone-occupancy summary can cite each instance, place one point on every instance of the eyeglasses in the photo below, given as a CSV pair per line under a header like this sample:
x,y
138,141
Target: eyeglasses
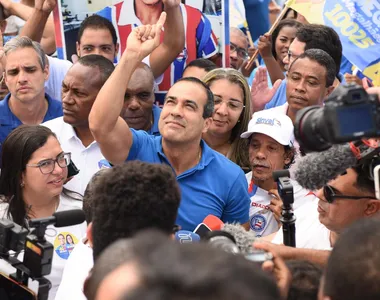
x,y
242,53
47,166
233,105
329,194
291,55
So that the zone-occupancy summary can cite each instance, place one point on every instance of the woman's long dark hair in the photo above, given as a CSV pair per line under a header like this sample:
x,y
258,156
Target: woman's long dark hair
x,y
17,150
276,32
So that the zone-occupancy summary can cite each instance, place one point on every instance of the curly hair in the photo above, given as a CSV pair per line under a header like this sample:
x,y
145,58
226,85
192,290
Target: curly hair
x,y
133,196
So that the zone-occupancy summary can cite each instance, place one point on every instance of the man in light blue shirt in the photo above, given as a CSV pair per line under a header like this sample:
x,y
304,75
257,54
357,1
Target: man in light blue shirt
x,y
311,36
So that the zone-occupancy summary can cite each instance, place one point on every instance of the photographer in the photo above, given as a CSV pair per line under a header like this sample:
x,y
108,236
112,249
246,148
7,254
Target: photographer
x,y
271,148
34,169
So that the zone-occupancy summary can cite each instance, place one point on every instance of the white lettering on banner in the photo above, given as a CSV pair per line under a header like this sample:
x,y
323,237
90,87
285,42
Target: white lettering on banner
x,y
369,6
342,20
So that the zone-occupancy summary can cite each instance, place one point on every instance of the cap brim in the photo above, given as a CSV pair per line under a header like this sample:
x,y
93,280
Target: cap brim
x,y
246,135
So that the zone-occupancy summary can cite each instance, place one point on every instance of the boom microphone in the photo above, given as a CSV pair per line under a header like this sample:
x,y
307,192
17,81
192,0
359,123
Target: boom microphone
x,y
60,219
244,239
316,169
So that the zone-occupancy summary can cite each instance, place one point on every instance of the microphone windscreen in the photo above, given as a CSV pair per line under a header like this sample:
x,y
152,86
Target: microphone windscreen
x,y
187,237
244,239
316,169
214,223
69,217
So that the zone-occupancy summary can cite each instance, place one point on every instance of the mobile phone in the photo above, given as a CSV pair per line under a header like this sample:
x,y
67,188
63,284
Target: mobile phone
x,y
72,169
259,256
376,176
202,230
12,290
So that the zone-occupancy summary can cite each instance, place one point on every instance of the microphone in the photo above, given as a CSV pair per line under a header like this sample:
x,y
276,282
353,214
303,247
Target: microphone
x,y
316,169
60,219
213,222
186,237
244,239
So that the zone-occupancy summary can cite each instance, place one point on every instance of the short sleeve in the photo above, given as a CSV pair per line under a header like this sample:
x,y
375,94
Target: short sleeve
x,y
237,208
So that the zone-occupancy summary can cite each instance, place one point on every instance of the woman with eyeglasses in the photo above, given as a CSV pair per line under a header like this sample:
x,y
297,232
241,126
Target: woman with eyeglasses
x,y
34,169
232,112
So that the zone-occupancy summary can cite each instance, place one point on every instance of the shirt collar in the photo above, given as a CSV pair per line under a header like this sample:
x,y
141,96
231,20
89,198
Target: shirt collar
x,y
156,111
68,131
207,153
7,117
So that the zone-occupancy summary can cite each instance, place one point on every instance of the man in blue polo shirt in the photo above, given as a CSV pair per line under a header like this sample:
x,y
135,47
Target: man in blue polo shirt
x,y
26,71
210,183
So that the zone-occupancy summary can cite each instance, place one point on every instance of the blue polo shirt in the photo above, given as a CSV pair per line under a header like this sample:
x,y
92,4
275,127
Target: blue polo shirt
x,y
156,116
8,121
214,186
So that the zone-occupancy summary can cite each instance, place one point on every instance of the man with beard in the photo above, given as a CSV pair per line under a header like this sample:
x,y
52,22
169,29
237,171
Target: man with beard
x,y
271,148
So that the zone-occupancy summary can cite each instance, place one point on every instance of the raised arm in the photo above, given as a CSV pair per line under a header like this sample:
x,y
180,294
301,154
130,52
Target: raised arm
x,y
174,39
265,49
39,25
108,128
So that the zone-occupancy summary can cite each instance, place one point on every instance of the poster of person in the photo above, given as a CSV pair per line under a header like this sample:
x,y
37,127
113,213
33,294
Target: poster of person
x,y
205,22
64,244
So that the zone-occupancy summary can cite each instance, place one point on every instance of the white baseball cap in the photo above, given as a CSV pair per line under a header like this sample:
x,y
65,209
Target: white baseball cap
x,y
274,124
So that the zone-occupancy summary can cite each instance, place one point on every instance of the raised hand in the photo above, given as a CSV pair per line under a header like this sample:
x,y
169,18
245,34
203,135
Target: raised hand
x,y
144,39
260,91
171,3
275,205
45,5
6,7
265,45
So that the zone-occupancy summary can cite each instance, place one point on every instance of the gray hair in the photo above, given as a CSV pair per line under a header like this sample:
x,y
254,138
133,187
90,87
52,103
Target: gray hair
x,y
21,42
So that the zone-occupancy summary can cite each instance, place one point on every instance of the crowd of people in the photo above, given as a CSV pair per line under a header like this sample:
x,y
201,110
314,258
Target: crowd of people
x,y
92,134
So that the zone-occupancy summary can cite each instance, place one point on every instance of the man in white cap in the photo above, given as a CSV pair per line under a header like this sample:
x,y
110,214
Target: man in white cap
x,y
271,148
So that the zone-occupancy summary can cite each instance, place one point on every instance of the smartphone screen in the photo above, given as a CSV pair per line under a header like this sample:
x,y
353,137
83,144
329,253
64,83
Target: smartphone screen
x,y
12,290
72,169
202,229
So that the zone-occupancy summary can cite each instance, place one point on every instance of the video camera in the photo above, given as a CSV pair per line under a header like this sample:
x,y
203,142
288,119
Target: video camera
x,y
349,114
38,253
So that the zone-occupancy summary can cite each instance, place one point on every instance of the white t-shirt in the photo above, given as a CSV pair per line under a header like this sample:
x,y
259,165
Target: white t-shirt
x,y
88,159
262,220
75,273
57,72
61,252
310,233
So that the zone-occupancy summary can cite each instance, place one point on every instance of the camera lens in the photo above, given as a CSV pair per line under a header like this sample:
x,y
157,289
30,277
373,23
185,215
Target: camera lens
x,y
310,129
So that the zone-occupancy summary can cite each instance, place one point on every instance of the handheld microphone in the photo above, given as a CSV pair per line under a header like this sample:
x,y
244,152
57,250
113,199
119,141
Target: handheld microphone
x,y
213,222
187,237
60,219
316,169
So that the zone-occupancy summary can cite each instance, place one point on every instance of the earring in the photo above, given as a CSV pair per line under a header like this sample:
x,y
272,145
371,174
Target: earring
x,y
22,184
